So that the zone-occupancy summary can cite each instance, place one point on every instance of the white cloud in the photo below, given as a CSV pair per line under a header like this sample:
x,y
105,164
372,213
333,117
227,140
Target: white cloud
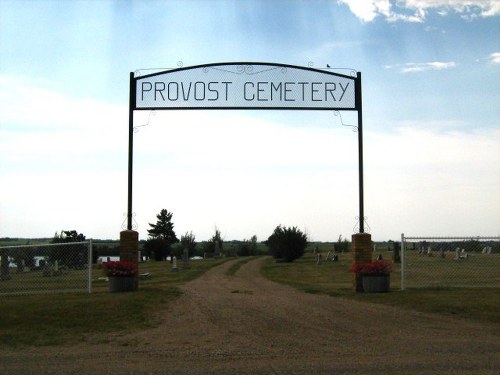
x,y
469,8
24,103
416,10
495,58
422,67
368,10
426,181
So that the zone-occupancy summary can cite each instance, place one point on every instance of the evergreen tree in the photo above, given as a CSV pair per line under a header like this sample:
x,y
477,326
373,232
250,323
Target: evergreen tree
x,y
161,236
164,228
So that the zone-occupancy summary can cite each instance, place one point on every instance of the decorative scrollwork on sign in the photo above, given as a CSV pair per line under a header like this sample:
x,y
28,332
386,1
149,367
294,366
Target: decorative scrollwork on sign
x,y
310,64
354,127
352,72
134,222
151,113
247,69
138,72
365,221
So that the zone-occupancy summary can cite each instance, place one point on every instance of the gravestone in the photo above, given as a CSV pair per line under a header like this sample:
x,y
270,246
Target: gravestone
x,y
185,258
4,269
174,264
487,250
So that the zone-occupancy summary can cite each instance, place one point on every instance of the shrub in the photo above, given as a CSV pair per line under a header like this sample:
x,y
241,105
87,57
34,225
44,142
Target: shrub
x,y
248,247
214,245
342,245
188,241
287,244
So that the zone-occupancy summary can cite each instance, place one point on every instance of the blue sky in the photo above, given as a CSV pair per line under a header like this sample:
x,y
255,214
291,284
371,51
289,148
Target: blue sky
x,y
431,72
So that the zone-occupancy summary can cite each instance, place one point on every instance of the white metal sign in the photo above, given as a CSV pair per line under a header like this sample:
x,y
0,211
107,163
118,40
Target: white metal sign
x,y
245,86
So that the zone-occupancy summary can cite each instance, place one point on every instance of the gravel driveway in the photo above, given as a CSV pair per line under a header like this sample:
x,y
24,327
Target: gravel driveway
x,y
245,324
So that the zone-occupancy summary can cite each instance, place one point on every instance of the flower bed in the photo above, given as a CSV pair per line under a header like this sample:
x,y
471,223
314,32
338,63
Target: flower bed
x,y
375,276
120,269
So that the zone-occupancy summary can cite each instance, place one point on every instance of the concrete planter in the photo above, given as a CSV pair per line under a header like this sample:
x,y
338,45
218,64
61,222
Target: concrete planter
x,y
119,284
376,284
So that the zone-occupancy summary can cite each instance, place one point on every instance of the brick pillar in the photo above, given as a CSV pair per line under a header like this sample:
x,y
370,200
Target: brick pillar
x,y
129,249
361,253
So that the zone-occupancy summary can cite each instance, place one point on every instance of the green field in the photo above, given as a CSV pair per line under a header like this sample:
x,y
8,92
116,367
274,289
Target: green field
x,y
54,319
66,318
475,296
479,270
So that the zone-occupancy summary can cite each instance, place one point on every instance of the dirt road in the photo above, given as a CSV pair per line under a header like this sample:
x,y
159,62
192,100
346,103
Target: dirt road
x,y
245,324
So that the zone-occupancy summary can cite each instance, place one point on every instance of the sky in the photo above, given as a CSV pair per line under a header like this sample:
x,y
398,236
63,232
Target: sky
x,y
430,88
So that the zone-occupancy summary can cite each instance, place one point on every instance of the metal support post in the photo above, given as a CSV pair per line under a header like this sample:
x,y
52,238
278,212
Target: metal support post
x,y
359,107
130,148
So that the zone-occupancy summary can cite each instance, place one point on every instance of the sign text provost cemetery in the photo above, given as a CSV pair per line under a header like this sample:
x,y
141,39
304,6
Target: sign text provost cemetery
x,y
238,86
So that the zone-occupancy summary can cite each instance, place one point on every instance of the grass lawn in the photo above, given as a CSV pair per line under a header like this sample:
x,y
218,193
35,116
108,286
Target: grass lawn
x,y
54,319
333,278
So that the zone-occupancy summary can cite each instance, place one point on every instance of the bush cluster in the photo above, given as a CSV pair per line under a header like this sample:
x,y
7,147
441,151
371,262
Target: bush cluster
x,y
287,244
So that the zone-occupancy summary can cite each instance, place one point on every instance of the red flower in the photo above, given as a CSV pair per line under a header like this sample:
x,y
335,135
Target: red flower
x,y
375,268
120,268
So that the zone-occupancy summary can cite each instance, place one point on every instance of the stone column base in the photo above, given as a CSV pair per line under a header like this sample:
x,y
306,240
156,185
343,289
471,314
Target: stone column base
x,y
129,248
362,254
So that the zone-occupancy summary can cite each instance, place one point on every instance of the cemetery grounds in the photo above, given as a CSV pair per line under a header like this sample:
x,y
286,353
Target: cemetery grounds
x,y
223,316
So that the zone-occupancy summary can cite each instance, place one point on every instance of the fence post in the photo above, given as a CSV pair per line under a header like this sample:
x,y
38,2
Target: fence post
x,y
403,262
90,266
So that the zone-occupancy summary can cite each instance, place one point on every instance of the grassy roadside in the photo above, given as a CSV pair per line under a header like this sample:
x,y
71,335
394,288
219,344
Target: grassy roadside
x,y
56,319
334,279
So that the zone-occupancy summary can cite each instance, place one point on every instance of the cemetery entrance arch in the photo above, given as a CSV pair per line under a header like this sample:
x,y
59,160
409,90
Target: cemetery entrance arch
x,y
246,85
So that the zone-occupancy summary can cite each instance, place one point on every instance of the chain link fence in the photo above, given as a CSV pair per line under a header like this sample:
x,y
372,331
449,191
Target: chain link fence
x,y
463,262
48,268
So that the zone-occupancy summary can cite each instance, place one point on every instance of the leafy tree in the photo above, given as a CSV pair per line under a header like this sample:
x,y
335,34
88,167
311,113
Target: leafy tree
x,y
161,236
342,245
287,244
188,241
68,236
215,243
248,247
74,256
